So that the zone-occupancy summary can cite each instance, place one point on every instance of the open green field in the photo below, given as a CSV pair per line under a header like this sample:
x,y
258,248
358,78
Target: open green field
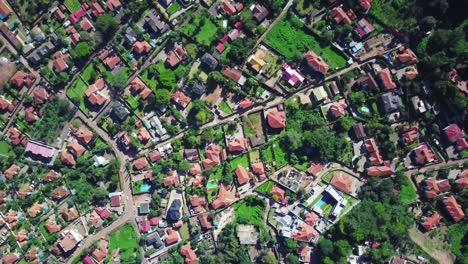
x,y
241,160
290,38
225,108
266,187
126,239
249,211
408,193
6,149
267,155
280,155
174,7
134,102
72,5
88,72
76,93
201,29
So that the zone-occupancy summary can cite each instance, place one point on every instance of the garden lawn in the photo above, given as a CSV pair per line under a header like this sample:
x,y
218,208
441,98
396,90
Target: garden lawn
x,y
87,72
241,160
248,214
266,187
408,193
254,156
76,93
174,7
290,41
207,33
126,239
267,155
217,175
134,102
280,155
211,194
72,5
6,149
225,108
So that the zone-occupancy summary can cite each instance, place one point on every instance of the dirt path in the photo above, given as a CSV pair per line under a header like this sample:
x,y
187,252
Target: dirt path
x,y
442,256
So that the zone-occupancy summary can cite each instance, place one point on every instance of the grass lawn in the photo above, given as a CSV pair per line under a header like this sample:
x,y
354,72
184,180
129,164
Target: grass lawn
x,y
76,93
247,213
408,193
302,167
126,239
266,187
390,15
328,176
174,7
280,155
137,186
254,156
134,102
72,5
267,155
211,194
292,40
207,33
252,123
202,32
217,174
241,160
225,108
48,236
184,232
87,72
6,149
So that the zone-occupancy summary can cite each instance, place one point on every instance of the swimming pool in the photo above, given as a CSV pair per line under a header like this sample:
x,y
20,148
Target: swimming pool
x,y
145,187
211,184
319,203
365,109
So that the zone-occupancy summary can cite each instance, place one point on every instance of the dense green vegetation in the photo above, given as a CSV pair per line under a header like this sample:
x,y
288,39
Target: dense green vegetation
x,y
125,238
379,217
306,131
291,39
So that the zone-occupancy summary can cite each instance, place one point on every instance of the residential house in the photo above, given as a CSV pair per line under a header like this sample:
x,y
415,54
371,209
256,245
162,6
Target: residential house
x,y
189,254
359,131
181,99
386,79
423,154
209,61
342,182
234,74
390,103
276,119
154,24
222,200
316,62
5,10
61,60
141,47
94,92
435,187
431,222
177,55
364,28
21,78
454,209
259,12
292,76
339,15
238,145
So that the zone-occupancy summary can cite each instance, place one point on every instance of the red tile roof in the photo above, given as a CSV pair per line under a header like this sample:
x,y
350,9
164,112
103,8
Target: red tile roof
x,y
339,15
316,62
84,135
96,9
228,7
181,99
238,145
171,179
140,163
462,180
189,254
407,56
277,119
365,4
435,187
141,46
278,192
342,182
212,156
16,137
410,134
85,24
243,176
384,170
424,155
113,4
76,148
372,148
5,104
40,95
246,103
5,10
115,201
232,73
315,168
338,108
21,78
258,168
386,77
195,169
311,218
145,226
143,135
221,200
172,236
304,233
204,222
67,158
155,155
454,209
77,15
431,222
453,132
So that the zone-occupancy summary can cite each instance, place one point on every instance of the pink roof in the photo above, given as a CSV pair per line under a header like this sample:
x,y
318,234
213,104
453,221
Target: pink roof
x,y
291,75
39,149
453,132
277,119
363,28
145,226
75,17
220,47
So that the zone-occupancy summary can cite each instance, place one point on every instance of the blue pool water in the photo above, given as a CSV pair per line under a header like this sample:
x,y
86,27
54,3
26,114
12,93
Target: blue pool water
x,y
365,109
145,187
211,184
319,203
46,208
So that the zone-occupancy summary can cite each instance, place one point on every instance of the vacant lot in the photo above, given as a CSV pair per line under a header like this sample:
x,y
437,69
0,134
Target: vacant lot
x,y
126,239
290,37
76,93
201,29
5,149
72,5
253,125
